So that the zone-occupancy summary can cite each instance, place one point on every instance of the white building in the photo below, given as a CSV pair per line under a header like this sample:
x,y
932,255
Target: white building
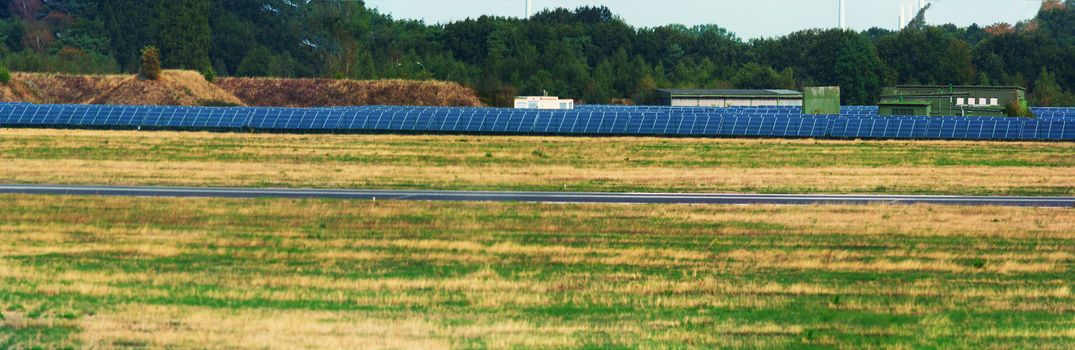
x,y
543,102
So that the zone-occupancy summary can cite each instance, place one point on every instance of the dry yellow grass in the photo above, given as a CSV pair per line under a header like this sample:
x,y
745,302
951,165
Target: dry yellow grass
x,y
175,87
455,162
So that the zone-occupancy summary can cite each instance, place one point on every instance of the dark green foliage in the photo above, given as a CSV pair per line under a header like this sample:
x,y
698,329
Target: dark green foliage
x,y
5,75
587,53
151,63
928,56
209,74
183,33
131,26
86,63
259,62
858,70
755,76
1047,91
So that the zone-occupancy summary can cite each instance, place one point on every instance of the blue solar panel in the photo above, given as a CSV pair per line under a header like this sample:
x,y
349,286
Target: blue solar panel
x,y
854,121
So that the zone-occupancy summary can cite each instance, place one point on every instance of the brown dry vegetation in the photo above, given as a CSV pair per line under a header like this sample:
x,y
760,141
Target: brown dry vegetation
x,y
181,88
535,163
174,88
284,274
330,92
189,88
60,88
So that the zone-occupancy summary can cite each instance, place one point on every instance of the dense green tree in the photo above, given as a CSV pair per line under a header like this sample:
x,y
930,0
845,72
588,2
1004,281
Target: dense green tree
x,y
11,33
258,62
229,50
927,56
184,35
151,63
601,86
957,67
130,26
587,53
858,70
1047,91
755,76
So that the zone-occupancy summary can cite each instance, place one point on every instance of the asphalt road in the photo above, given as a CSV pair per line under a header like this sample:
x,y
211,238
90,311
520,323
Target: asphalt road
x,y
545,197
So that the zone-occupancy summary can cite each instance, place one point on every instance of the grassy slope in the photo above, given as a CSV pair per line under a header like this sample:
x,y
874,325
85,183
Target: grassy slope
x,y
536,163
210,273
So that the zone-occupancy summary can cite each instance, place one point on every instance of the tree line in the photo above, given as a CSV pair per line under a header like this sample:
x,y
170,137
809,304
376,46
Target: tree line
x,y
586,53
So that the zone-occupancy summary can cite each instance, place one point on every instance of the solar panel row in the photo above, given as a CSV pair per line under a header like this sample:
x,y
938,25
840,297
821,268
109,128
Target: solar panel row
x,y
591,120
122,116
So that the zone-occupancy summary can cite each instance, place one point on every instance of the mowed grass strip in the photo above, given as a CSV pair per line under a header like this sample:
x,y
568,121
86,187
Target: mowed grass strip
x,y
103,272
536,163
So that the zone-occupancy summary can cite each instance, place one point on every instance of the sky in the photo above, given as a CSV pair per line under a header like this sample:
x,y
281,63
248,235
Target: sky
x,y
747,18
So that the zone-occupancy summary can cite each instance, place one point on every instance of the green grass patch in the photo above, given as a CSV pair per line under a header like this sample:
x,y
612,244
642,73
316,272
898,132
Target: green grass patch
x,y
207,273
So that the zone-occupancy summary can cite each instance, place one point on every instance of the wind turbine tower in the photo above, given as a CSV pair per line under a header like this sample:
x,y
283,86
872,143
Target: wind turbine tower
x,y
903,14
529,8
843,15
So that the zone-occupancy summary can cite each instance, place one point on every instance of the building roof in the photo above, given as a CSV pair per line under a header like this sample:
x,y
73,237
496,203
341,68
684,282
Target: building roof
x,y
775,93
960,87
541,98
904,103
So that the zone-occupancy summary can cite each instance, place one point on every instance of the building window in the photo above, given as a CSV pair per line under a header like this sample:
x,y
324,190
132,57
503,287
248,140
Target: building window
x,y
902,111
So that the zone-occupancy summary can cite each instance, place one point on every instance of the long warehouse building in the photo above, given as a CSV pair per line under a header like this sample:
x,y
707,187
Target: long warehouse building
x,y
729,98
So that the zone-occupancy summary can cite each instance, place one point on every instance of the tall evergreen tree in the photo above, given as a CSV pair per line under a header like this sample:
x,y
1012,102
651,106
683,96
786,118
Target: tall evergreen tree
x,y
184,36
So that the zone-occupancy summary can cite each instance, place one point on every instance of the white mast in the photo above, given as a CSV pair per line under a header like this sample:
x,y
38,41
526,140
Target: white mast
x,y
843,15
903,12
529,8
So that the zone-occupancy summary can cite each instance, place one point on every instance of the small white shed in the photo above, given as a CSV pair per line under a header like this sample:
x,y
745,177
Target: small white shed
x,y
543,102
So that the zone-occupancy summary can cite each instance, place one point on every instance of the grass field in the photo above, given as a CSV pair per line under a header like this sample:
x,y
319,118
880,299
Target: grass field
x,y
536,163
211,273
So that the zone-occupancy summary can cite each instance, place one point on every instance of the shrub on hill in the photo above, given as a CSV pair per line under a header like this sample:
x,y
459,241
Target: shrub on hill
x,y
151,63
209,74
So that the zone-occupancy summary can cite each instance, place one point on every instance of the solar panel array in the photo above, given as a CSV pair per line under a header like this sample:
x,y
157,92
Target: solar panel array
x,y
854,121
104,116
1054,113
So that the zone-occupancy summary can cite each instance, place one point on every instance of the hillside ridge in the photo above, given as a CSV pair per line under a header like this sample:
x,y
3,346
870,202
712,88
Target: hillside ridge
x,y
189,88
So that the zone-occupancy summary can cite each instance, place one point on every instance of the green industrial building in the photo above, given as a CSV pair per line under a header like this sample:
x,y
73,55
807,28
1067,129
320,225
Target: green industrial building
x,y
979,101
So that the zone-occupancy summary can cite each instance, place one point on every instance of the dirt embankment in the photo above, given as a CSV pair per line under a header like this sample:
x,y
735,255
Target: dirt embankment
x,y
178,88
175,88
329,92
189,88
